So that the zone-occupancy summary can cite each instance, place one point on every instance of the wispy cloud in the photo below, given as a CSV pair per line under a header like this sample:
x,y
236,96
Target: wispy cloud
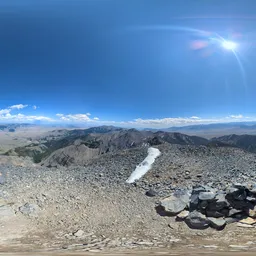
x,y
74,118
35,107
18,106
236,116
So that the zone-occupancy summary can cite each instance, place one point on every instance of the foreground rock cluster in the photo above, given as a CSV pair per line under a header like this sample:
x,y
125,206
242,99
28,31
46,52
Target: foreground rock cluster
x,y
205,206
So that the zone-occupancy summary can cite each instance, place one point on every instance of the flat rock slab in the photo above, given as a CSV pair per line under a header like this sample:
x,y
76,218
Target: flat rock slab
x,y
248,220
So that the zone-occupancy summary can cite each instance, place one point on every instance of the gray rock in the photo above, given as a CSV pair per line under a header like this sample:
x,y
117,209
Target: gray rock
x,y
217,223
197,220
173,205
207,196
29,209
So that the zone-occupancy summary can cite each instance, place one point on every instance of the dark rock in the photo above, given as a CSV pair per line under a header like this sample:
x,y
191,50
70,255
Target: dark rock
x,y
151,193
243,205
219,204
236,192
214,214
194,201
197,220
203,205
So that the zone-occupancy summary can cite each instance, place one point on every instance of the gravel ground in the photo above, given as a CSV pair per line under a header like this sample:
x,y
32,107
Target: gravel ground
x,y
111,214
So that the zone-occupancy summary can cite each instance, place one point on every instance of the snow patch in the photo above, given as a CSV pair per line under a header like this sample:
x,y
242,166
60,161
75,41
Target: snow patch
x,y
144,166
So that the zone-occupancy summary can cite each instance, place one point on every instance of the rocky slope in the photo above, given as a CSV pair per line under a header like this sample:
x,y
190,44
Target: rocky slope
x,y
52,151
49,205
247,142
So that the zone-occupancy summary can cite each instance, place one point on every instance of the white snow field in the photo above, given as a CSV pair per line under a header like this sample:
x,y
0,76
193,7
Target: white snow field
x,y
144,166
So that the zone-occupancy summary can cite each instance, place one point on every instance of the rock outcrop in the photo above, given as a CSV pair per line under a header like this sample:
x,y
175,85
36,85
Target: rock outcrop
x,y
206,206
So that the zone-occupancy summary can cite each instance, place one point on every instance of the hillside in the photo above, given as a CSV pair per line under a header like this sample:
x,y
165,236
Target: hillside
x,y
64,149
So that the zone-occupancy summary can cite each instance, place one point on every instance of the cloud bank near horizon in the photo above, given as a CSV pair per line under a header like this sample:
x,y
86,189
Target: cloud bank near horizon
x,y
14,114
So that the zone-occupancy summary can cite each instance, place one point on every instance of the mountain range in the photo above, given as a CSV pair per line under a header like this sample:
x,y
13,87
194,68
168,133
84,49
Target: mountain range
x,y
76,147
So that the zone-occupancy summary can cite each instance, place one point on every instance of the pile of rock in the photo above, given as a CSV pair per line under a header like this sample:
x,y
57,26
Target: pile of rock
x,y
205,206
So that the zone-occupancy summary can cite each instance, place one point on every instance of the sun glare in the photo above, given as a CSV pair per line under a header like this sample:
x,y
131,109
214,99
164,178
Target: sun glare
x,y
229,45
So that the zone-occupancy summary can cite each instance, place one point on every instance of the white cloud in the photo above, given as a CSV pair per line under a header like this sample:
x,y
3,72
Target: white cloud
x,y
4,111
7,116
18,106
236,116
74,118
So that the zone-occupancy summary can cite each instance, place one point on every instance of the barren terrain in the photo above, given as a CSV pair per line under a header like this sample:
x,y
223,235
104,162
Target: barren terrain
x,y
91,208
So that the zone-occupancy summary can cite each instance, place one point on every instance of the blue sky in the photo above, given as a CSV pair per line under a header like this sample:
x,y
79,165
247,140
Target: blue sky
x,y
135,62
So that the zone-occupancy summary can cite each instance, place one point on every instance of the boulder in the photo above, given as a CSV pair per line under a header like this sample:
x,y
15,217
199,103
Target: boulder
x,y
217,223
197,220
173,205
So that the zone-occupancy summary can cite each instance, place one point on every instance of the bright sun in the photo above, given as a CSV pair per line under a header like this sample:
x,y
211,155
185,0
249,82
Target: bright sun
x,y
229,45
